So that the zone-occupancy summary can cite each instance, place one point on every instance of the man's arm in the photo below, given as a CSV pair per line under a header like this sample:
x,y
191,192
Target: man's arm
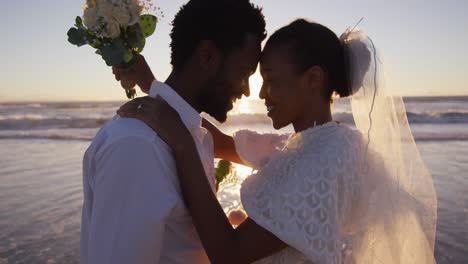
x,y
140,75
132,201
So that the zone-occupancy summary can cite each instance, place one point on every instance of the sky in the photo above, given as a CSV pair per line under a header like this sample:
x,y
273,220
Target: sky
x,y
424,45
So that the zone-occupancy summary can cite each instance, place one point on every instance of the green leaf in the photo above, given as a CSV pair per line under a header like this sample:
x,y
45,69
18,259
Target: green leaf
x,y
114,53
128,56
148,24
135,38
92,39
222,170
140,48
76,37
95,43
79,23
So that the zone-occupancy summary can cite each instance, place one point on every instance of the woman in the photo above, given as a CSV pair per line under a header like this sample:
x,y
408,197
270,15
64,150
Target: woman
x,y
329,193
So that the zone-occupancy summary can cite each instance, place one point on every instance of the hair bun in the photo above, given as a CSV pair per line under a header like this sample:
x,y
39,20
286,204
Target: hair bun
x,y
357,60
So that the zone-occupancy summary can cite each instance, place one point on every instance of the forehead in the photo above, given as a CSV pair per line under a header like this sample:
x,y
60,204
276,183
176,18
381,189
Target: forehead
x,y
275,56
249,53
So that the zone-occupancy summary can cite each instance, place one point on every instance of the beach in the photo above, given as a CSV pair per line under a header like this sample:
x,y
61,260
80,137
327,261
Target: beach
x,y
42,145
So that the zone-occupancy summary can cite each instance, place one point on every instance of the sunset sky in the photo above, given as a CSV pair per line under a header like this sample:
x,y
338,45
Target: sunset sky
x,y
424,44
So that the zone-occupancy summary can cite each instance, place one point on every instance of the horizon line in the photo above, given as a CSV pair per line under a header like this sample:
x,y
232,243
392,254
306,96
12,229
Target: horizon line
x,y
126,100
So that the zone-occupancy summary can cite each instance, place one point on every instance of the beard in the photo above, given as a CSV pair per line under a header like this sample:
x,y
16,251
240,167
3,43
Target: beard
x,y
214,100
215,97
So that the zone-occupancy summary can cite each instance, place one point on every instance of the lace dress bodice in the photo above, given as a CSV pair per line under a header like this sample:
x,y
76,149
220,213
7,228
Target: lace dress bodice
x,y
307,193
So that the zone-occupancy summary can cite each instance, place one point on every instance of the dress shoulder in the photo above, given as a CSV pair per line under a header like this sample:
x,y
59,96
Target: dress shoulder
x,y
298,194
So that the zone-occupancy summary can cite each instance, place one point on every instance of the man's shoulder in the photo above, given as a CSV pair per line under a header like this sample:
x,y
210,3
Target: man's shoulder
x,y
119,127
119,130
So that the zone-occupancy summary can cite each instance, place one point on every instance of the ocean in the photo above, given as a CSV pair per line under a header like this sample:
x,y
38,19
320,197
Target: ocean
x,y
42,145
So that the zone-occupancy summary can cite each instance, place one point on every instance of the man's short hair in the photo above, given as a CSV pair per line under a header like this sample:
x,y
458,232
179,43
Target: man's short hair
x,y
225,22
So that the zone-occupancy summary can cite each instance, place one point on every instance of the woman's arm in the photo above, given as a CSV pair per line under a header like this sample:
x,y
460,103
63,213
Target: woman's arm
x,y
224,147
223,244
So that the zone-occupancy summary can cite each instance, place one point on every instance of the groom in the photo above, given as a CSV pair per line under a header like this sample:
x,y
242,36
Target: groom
x,y
133,210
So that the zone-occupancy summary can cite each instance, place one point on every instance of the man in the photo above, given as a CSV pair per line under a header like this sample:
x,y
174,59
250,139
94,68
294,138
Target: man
x,y
133,211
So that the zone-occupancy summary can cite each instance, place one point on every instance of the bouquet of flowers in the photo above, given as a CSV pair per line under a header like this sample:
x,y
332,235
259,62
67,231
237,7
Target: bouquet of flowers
x,y
117,29
224,173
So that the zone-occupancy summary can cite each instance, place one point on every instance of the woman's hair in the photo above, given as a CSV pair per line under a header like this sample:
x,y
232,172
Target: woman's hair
x,y
312,44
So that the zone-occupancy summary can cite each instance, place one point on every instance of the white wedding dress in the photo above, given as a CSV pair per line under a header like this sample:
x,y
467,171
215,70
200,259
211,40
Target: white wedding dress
x,y
316,190
338,195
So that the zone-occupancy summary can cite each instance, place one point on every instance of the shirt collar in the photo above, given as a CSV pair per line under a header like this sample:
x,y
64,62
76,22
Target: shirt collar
x,y
190,117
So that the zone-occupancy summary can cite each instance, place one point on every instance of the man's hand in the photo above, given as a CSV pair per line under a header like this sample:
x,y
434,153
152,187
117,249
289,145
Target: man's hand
x,y
140,75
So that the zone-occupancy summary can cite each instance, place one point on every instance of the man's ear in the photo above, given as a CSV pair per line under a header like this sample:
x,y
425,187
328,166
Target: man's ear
x,y
208,56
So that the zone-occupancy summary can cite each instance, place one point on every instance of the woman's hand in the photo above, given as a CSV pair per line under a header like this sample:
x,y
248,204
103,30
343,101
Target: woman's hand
x,y
237,217
164,120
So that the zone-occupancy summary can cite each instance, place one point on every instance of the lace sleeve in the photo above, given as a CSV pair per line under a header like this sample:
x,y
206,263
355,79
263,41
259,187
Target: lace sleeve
x,y
301,210
299,196
256,149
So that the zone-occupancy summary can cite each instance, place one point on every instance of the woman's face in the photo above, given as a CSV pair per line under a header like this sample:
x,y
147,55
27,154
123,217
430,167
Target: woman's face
x,y
283,87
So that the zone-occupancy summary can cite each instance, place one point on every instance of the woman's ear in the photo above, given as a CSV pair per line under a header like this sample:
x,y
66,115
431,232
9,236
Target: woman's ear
x,y
208,57
314,79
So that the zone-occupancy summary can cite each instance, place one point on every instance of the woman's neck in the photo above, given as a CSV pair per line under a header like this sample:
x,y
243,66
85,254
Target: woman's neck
x,y
313,118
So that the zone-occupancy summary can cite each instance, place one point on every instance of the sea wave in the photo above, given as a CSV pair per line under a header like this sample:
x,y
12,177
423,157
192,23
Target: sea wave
x,y
61,105
55,134
38,122
438,118
88,135
32,121
346,117
51,137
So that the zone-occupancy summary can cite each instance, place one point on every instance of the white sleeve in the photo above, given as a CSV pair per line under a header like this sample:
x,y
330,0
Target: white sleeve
x,y
153,89
133,198
256,149
295,197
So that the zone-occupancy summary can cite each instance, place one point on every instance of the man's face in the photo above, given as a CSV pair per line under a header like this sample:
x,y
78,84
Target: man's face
x,y
231,80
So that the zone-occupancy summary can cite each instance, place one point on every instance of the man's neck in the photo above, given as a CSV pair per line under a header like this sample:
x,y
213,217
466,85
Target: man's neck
x,y
185,89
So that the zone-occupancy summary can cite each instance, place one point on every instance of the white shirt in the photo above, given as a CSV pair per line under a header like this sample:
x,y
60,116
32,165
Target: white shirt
x,y
133,211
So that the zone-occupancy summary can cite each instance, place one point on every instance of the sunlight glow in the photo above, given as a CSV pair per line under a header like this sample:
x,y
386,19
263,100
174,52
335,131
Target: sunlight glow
x,y
255,82
242,107
247,104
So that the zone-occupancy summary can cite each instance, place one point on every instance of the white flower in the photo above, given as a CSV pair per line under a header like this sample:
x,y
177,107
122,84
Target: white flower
x,y
90,2
118,2
105,10
100,2
112,29
135,11
121,15
90,18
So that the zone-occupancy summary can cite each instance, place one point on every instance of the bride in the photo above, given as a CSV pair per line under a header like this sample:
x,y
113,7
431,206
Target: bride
x,y
329,193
